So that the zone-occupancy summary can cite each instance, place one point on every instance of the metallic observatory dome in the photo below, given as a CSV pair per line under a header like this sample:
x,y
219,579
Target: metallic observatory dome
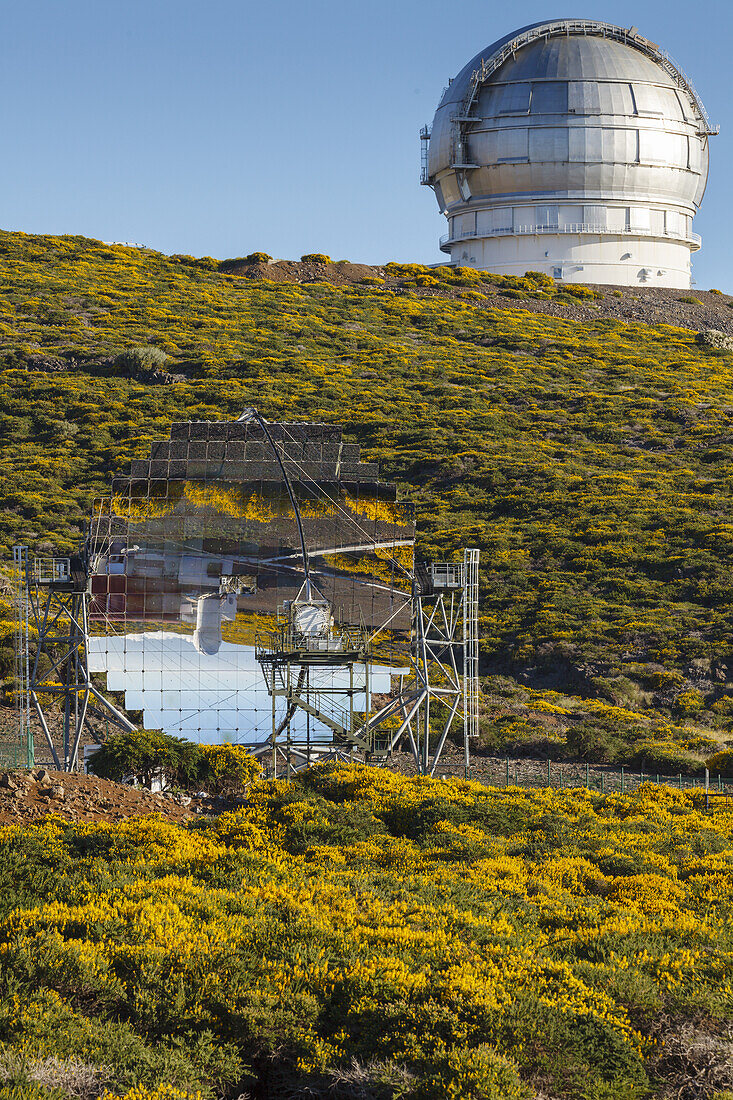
x,y
575,148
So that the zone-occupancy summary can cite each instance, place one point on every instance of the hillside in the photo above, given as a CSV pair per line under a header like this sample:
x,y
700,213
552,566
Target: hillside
x,y
355,935
588,454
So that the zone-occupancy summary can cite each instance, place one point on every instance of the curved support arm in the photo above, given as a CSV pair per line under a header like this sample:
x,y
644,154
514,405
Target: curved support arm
x,y
254,415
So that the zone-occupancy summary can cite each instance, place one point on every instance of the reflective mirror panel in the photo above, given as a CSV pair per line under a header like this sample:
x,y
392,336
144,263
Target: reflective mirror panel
x,y
196,554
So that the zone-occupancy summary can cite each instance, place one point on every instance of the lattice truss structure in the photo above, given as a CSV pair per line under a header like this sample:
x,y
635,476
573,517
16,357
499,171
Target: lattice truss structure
x,y
254,583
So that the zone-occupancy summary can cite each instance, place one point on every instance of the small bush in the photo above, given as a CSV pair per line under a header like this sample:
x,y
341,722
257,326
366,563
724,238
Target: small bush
x,y
143,359
666,757
226,770
713,338
689,702
315,258
480,1073
257,258
144,754
402,270
578,291
597,742
721,763
204,263
540,279
714,291
690,301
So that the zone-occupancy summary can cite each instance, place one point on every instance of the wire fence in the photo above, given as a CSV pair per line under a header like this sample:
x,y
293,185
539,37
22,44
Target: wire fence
x,y
607,779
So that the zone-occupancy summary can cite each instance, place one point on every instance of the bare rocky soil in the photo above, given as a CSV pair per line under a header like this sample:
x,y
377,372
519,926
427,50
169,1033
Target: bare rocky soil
x,y
27,796
648,305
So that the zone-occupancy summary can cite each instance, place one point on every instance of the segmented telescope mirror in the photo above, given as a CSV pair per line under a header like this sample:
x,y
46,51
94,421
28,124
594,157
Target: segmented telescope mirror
x,y
196,556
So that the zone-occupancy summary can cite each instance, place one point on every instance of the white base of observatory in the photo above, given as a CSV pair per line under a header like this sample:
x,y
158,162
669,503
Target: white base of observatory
x,y
574,257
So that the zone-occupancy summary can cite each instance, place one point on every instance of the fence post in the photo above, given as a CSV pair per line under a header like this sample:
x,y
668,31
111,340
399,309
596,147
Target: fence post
x,y
622,779
516,773
602,783
680,780
707,787
548,771
656,779
587,780
507,772
562,784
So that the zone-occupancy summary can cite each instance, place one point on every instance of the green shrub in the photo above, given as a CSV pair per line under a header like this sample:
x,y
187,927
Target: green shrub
x,y
540,279
689,702
315,258
579,291
473,1073
721,763
257,258
144,754
402,270
690,301
597,741
665,757
142,359
204,263
226,770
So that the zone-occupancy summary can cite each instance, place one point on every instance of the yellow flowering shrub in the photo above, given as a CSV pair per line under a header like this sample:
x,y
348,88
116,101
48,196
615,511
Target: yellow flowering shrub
x,y
438,938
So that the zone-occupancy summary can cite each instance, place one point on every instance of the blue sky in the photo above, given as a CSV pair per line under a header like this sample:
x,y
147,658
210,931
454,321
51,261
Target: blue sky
x,y
221,127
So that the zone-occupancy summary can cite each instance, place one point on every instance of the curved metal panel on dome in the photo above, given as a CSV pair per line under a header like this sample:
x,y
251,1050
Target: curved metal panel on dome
x,y
577,125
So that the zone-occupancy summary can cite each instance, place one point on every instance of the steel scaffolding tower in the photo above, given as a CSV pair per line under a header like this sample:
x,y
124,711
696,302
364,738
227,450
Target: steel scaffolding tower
x,y
444,665
23,754
52,610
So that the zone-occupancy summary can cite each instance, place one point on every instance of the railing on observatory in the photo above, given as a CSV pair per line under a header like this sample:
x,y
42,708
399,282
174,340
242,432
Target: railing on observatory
x,y
693,239
596,29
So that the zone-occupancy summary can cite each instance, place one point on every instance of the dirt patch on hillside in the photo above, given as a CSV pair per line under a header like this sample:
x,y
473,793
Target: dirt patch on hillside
x,y
27,796
294,271
703,309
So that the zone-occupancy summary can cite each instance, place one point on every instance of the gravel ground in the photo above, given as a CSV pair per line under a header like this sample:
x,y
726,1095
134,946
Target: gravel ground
x,y
649,305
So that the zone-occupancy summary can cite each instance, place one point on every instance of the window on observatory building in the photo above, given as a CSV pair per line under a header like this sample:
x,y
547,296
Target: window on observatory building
x,y
571,215
685,106
549,98
595,216
502,217
617,218
548,143
648,100
511,99
592,97
654,147
673,223
546,216
639,217
514,145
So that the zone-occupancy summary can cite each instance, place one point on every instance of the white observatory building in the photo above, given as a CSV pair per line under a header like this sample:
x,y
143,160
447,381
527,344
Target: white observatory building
x,y
575,148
